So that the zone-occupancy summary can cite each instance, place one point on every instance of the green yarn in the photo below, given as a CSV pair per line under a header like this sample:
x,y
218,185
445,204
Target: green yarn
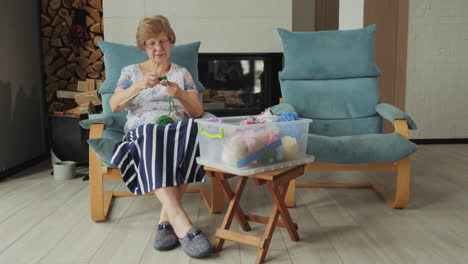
x,y
164,120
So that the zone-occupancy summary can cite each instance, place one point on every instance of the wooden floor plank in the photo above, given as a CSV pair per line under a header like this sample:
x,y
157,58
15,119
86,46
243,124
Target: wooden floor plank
x,y
82,243
26,219
36,243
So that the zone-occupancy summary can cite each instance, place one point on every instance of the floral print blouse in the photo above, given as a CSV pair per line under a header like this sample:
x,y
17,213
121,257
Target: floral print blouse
x,y
151,103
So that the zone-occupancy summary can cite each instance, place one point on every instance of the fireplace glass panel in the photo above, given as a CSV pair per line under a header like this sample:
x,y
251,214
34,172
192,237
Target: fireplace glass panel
x,y
233,85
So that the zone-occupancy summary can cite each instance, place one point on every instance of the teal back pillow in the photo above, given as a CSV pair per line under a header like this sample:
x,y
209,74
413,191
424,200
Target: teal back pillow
x,y
324,55
117,56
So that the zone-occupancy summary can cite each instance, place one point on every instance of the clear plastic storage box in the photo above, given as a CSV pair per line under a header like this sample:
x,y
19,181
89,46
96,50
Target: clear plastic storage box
x,y
249,149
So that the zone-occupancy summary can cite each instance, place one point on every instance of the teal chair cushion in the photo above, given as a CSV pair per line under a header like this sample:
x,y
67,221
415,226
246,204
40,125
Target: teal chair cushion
x,y
329,54
370,148
117,56
104,148
107,120
337,127
391,113
346,127
120,118
332,99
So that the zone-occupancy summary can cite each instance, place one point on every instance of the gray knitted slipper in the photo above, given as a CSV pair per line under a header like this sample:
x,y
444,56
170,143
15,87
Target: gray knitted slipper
x,y
166,239
195,244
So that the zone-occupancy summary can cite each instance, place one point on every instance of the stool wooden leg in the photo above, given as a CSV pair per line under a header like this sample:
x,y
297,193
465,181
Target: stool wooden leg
x,y
233,205
270,228
278,193
229,194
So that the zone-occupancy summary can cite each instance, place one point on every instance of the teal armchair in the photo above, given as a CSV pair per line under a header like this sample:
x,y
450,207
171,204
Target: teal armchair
x,y
331,78
107,129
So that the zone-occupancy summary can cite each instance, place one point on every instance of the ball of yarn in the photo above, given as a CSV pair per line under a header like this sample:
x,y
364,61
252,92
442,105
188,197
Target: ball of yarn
x,y
291,147
288,116
234,150
164,120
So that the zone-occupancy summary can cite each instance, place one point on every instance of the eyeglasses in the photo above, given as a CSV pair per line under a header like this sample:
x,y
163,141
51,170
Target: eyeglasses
x,y
161,43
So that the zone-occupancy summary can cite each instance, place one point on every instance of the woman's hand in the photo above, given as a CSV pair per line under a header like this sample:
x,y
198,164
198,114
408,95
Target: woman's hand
x,y
173,90
149,80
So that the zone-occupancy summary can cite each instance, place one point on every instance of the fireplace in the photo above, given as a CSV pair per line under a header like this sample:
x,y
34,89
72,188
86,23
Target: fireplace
x,y
239,83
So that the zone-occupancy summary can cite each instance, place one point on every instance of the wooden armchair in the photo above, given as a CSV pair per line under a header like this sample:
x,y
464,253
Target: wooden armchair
x,y
331,78
107,128
100,199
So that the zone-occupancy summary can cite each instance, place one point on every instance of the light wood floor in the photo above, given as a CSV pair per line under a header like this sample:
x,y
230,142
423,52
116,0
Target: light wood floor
x,y
47,221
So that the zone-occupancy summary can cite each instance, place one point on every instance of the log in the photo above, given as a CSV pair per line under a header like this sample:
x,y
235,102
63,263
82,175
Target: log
x,y
64,51
57,20
84,53
50,90
98,84
49,71
96,39
45,20
72,57
55,4
51,11
67,3
89,45
65,30
93,13
49,57
89,21
66,41
84,62
68,20
95,28
95,56
57,31
96,4
72,86
56,42
81,86
63,12
58,63
87,85
93,74
90,84
64,74
84,98
44,5
81,73
97,66
71,67
62,84
47,31
51,79
77,4
64,94
56,107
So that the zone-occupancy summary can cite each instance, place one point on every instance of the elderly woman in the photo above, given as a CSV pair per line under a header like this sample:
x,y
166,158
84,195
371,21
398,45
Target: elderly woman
x,y
161,158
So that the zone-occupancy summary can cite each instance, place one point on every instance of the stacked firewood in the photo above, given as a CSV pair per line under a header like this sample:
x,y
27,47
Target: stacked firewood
x,y
67,59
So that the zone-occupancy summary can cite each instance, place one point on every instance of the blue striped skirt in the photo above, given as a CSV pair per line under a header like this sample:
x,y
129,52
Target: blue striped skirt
x,y
154,156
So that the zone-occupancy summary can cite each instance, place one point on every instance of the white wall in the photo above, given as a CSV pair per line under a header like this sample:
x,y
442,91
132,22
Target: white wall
x,y
437,76
221,25
351,14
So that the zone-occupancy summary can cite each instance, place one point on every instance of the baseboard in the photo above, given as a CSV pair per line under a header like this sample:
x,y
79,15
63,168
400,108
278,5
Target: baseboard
x,y
440,141
15,169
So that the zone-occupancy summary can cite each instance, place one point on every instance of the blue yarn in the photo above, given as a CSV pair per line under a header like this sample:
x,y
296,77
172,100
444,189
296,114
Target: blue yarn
x,y
288,116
